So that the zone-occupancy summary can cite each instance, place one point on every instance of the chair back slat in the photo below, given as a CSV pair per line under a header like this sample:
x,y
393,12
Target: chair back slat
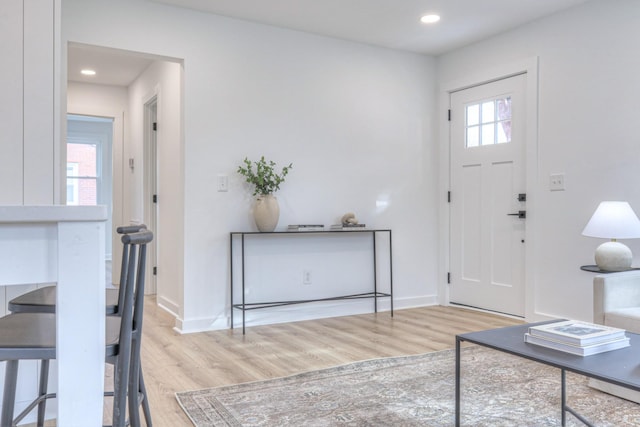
x,y
125,229
131,311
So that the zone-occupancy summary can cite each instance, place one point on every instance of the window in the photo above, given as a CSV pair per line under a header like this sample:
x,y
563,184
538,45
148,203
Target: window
x,y
82,174
488,122
72,184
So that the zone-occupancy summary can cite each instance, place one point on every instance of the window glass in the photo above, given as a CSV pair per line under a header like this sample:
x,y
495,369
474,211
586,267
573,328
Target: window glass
x,y
473,115
488,112
82,174
504,132
473,136
488,134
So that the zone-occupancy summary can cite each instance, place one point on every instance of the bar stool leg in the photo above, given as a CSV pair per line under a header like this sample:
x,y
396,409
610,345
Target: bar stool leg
x,y
145,401
42,390
9,397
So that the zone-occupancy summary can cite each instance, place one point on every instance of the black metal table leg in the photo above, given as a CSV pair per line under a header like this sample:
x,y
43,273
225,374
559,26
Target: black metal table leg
x,y
231,276
243,293
390,274
565,407
375,274
457,421
563,396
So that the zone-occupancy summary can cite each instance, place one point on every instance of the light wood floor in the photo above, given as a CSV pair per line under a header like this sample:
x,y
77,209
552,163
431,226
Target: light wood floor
x,y
174,362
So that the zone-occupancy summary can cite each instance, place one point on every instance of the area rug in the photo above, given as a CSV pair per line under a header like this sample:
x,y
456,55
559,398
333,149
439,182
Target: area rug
x,y
497,390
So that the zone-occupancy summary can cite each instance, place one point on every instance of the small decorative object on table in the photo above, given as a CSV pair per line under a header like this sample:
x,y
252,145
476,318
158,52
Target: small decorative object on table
x,y
579,338
266,181
348,222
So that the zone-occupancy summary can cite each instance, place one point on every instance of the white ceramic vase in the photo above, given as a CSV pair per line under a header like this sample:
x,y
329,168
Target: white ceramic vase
x,y
266,212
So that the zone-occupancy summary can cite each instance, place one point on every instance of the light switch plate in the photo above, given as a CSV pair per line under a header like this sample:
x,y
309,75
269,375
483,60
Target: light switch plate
x,y
223,183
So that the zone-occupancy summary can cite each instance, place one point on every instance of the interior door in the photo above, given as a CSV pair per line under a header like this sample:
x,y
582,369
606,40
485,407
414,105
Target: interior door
x,y
488,204
151,192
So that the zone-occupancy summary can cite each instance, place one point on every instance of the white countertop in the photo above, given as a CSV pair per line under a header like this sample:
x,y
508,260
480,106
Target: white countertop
x,y
52,213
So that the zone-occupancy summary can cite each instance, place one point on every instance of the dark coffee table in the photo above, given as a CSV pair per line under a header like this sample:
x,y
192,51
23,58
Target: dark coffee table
x,y
621,367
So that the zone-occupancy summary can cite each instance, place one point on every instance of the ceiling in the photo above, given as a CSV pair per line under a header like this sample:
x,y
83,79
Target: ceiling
x,y
112,67
393,24
390,23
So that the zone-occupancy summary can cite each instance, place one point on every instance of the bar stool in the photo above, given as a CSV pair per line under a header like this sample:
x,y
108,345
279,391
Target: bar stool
x,y
31,336
43,300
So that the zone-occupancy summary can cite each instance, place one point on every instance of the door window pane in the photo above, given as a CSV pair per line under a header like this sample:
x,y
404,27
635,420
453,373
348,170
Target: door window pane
x,y
488,134
488,112
473,115
504,132
504,108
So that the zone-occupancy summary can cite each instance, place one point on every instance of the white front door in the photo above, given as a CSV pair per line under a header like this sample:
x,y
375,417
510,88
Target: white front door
x,y
487,176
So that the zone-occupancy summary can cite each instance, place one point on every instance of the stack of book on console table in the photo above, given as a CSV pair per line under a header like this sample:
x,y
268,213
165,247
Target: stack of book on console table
x,y
579,338
344,227
305,227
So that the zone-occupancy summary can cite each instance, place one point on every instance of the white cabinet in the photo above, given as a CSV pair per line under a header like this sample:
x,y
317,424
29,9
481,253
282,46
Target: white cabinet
x,y
29,44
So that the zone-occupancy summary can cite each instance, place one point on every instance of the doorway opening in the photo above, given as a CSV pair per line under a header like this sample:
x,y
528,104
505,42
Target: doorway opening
x,y
139,89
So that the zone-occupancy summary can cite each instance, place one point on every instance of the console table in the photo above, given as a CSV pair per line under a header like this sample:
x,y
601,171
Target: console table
x,y
616,367
244,305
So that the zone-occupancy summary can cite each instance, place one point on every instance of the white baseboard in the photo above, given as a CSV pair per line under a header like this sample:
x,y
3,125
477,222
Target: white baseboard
x,y
168,305
200,325
300,312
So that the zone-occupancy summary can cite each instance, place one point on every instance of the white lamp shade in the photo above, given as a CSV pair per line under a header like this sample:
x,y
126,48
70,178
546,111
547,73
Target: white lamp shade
x,y
613,220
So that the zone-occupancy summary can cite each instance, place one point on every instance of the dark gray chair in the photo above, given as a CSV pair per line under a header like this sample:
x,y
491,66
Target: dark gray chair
x,y
31,336
43,300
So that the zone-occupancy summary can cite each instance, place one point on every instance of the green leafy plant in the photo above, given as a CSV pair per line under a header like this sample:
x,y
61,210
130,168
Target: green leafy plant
x,y
262,175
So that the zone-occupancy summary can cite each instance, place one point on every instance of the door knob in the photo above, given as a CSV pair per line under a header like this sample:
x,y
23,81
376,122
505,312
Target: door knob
x,y
520,214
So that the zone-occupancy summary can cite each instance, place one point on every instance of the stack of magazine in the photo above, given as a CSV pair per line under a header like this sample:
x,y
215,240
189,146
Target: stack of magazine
x,y
305,227
348,227
579,338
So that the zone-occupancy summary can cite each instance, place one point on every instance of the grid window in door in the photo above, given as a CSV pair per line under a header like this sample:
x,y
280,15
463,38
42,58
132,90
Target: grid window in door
x,y
488,122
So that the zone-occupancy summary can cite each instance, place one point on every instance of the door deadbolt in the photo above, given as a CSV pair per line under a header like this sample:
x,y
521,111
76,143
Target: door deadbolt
x,y
520,214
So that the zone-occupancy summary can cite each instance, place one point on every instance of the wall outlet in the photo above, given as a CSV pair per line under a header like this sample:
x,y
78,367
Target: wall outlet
x,y
306,277
556,182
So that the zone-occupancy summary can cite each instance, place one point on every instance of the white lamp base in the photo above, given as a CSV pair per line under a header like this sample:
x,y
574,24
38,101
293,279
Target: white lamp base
x,y
613,256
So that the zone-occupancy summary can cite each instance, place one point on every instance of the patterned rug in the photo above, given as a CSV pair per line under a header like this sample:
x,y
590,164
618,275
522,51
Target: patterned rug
x,y
497,390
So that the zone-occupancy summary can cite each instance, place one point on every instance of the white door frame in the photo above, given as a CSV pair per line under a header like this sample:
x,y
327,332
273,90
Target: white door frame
x,y
530,67
150,185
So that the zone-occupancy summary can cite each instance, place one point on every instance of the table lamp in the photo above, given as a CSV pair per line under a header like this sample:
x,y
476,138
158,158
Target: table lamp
x,y
613,220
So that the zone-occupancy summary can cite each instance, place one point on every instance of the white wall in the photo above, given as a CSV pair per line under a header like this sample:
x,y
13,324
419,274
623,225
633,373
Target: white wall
x,y
588,109
355,120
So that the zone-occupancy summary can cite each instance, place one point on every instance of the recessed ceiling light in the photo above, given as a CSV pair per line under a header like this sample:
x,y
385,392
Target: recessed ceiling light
x,y
430,19
88,72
